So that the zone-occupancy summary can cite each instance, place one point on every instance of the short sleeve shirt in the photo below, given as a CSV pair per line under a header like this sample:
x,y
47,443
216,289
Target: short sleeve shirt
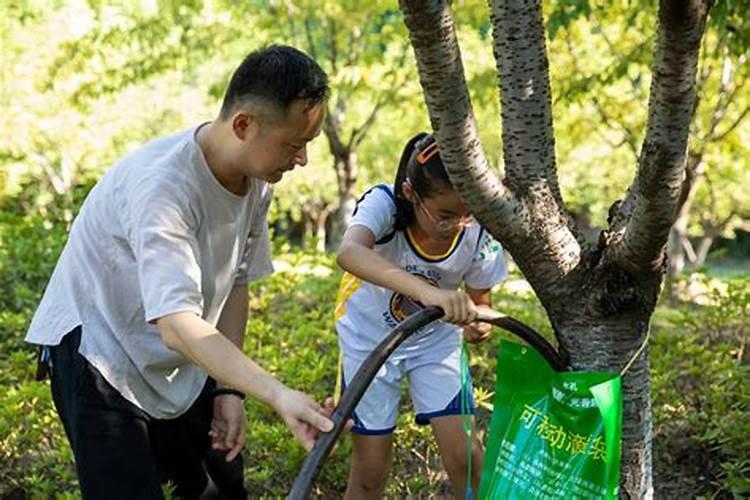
x,y
157,235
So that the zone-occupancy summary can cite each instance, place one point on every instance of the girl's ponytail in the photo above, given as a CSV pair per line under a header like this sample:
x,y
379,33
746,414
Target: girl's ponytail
x,y
404,207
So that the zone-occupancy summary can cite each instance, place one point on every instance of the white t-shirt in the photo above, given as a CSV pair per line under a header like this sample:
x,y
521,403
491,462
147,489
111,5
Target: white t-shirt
x,y
366,312
158,234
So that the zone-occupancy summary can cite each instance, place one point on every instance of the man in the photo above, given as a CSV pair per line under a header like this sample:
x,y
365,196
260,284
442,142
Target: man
x,y
146,309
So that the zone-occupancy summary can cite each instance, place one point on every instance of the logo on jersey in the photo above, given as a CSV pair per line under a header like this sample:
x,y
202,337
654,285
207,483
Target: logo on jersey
x,y
400,307
489,248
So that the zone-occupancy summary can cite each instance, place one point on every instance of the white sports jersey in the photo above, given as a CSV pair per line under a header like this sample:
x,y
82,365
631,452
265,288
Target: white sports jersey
x,y
366,312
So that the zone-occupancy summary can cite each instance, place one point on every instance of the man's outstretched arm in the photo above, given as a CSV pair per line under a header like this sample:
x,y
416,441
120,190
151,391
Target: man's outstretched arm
x,y
205,346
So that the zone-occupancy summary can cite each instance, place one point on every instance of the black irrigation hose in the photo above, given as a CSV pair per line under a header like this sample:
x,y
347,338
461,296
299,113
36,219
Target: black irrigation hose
x,y
354,390
353,393
531,337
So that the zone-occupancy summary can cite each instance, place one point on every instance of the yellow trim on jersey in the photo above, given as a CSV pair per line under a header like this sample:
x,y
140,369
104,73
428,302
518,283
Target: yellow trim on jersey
x,y
426,255
349,284
339,380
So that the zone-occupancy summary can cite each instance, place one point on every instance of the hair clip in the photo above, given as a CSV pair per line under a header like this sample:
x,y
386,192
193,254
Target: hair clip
x,y
425,155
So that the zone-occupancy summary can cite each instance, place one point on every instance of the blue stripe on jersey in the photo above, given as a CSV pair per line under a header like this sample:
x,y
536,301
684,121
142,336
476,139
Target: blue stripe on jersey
x,y
382,187
387,189
479,240
453,408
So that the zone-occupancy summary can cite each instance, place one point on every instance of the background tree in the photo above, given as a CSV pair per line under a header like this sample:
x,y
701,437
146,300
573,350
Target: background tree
x,y
364,52
84,83
600,293
608,76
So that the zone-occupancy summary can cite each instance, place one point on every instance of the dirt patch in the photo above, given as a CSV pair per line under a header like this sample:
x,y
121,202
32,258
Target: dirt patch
x,y
684,468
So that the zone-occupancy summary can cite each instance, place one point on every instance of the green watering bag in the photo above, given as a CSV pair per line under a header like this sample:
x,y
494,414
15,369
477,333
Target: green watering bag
x,y
553,434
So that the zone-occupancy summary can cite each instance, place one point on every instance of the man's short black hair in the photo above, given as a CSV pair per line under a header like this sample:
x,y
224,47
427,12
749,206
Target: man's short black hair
x,y
272,78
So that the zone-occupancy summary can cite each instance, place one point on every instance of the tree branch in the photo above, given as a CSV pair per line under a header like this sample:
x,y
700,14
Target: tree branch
x,y
628,135
338,149
635,88
441,74
355,37
334,47
310,41
358,133
721,136
526,106
524,212
643,220
705,66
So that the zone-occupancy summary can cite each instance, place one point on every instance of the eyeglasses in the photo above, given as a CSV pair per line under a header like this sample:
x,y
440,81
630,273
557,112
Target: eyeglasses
x,y
444,222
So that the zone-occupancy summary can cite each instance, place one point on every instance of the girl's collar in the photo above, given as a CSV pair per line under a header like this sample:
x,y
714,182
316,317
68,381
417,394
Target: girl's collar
x,y
412,240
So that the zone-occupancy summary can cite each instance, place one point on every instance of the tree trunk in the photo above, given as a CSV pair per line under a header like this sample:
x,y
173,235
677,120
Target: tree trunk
x,y
323,38
599,296
346,175
678,235
702,252
345,166
320,234
339,221
315,214
602,320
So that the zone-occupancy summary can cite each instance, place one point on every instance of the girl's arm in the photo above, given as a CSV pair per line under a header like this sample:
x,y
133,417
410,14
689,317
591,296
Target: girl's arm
x,y
478,331
356,255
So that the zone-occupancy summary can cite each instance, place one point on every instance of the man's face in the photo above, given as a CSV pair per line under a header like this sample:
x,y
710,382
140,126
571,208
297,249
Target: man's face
x,y
276,148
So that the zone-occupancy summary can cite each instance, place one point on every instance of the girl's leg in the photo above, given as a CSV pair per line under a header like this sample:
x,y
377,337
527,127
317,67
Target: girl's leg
x,y
451,439
435,378
371,463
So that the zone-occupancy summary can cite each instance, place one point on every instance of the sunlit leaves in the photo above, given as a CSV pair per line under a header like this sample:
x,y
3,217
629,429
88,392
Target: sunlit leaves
x,y
564,12
129,47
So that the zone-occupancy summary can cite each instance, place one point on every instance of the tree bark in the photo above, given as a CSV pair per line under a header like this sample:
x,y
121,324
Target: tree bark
x,y
315,214
523,210
345,165
642,221
599,296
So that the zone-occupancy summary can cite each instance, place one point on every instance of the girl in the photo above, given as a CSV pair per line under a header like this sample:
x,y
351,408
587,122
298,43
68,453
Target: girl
x,y
416,240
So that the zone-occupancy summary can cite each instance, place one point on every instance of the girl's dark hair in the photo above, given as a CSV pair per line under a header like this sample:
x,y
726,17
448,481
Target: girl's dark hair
x,y
274,77
421,164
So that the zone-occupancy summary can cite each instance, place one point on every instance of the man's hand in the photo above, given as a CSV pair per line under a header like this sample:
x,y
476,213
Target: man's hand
x,y
477,332
304,417
228,425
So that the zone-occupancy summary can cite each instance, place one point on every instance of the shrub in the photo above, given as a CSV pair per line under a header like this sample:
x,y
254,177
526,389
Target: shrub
x,y
701,392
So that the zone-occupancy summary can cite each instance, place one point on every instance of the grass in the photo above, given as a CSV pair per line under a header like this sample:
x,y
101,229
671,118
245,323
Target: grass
x,y
700,415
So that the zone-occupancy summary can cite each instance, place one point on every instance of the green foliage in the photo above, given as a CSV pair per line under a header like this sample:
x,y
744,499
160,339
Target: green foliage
x,y
34,453
729,18
699,387
600,56
132,43
701,392
565,12
84,83
81,93
366,54
29,247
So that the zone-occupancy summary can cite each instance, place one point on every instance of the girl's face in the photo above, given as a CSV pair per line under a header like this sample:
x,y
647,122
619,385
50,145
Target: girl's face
x,y
441,215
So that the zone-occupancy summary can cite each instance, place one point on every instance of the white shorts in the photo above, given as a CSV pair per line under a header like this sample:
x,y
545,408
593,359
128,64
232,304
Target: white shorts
x,y
434,385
